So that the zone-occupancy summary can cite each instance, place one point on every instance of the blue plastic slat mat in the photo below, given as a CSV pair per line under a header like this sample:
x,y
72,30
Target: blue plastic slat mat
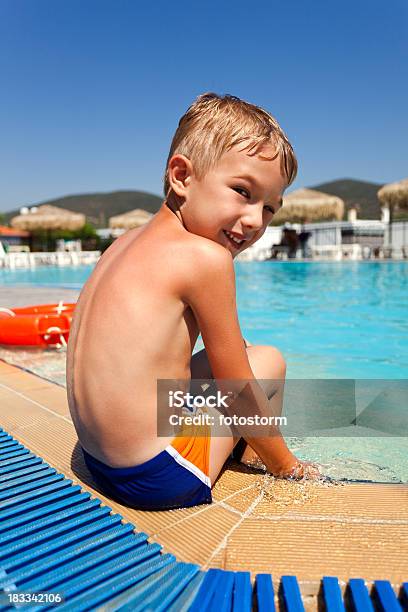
x,y
403,595
24,498
94,542
187,596
222,598
204,596
45,575
40,503
158,592
8,447
35,476
28,517
24,473
32,568
39,526
12,448
265,596
16,491
91,571
333,601
55,537
242,595
104,591
13,467
53,546
16,461
384,597
4,436
290,593
358,596
39,539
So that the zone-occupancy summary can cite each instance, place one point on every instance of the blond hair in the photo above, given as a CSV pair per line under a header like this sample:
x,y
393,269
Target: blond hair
x,y
214,124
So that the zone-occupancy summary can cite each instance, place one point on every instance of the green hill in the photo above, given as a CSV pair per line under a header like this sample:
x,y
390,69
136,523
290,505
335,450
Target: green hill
x,y
355,193
98,207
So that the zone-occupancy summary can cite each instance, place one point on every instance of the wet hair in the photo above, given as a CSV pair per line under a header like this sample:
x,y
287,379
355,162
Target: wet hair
x,y
214,124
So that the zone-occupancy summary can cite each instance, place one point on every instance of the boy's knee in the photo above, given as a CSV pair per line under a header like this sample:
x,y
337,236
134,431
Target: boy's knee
x,y
278,360
274,359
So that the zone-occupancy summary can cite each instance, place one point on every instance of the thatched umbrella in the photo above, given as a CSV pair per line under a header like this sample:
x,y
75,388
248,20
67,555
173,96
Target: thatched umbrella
x,y
306,205
395,197
131,219
48,218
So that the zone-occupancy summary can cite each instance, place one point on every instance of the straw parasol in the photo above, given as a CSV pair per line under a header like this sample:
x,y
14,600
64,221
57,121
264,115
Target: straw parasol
x,y
308,205
131,219
395,197
47,217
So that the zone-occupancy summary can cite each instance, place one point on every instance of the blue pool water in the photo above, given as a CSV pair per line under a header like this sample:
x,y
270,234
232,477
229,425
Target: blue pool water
x,y
343,320
330,320
70,277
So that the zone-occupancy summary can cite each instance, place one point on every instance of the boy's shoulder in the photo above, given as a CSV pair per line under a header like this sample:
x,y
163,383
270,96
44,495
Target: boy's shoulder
x,y
204,254
197,263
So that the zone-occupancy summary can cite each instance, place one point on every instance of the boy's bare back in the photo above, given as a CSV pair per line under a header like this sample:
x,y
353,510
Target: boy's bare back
x,y
130,329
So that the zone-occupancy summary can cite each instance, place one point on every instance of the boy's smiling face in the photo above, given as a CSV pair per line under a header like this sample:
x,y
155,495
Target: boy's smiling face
x,y
235,201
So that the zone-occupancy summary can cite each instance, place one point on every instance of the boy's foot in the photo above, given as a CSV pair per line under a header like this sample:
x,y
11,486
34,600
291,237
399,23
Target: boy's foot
x,y
251,459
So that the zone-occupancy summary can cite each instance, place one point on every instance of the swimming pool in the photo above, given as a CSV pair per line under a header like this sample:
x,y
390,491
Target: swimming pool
x,y
330,320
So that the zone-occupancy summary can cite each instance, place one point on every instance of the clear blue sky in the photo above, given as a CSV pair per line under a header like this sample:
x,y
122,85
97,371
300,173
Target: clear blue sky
x,y
92,90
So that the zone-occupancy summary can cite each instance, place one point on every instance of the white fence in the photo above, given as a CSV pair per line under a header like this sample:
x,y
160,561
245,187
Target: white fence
x,y
261,250
31,260
396,239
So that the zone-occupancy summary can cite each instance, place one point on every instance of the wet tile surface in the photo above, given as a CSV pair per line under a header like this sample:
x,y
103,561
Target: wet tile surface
x,y
255,522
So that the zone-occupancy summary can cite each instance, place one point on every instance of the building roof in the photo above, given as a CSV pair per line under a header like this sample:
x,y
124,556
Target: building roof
x,y
9,231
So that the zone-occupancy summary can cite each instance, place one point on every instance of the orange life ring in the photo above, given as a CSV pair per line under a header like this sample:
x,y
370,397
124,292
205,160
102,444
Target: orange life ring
x,y
59,308
43,325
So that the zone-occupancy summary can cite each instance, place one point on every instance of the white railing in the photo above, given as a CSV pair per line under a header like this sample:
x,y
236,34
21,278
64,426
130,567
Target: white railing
x,y
255,254
336,252
31,260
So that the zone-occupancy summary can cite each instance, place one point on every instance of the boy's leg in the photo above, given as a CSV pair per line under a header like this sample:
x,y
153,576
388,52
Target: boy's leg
x,y
269,367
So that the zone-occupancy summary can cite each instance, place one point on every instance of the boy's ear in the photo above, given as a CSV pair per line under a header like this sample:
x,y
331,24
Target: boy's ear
x,y
180,171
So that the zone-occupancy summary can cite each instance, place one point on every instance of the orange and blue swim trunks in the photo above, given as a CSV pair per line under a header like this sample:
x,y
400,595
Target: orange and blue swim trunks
x,y
178,477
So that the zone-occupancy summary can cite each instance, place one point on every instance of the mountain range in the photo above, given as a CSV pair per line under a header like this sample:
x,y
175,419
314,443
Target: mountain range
x,y
98,207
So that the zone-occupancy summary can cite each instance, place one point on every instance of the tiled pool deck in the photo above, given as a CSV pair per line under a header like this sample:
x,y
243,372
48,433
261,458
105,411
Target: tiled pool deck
x,y
255,523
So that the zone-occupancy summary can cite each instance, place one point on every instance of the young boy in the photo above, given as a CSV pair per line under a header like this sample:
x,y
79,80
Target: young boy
x,y
156,288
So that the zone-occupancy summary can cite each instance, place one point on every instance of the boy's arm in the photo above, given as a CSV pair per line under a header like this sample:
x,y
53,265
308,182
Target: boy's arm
x,y
210,292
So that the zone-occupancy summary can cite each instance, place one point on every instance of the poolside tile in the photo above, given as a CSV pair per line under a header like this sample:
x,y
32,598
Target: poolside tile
x,y
17,412
360,500
311,550
218,560
5,392
255,523
155,523
22,381
241,501
53,439
53,397
6,368
196,538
